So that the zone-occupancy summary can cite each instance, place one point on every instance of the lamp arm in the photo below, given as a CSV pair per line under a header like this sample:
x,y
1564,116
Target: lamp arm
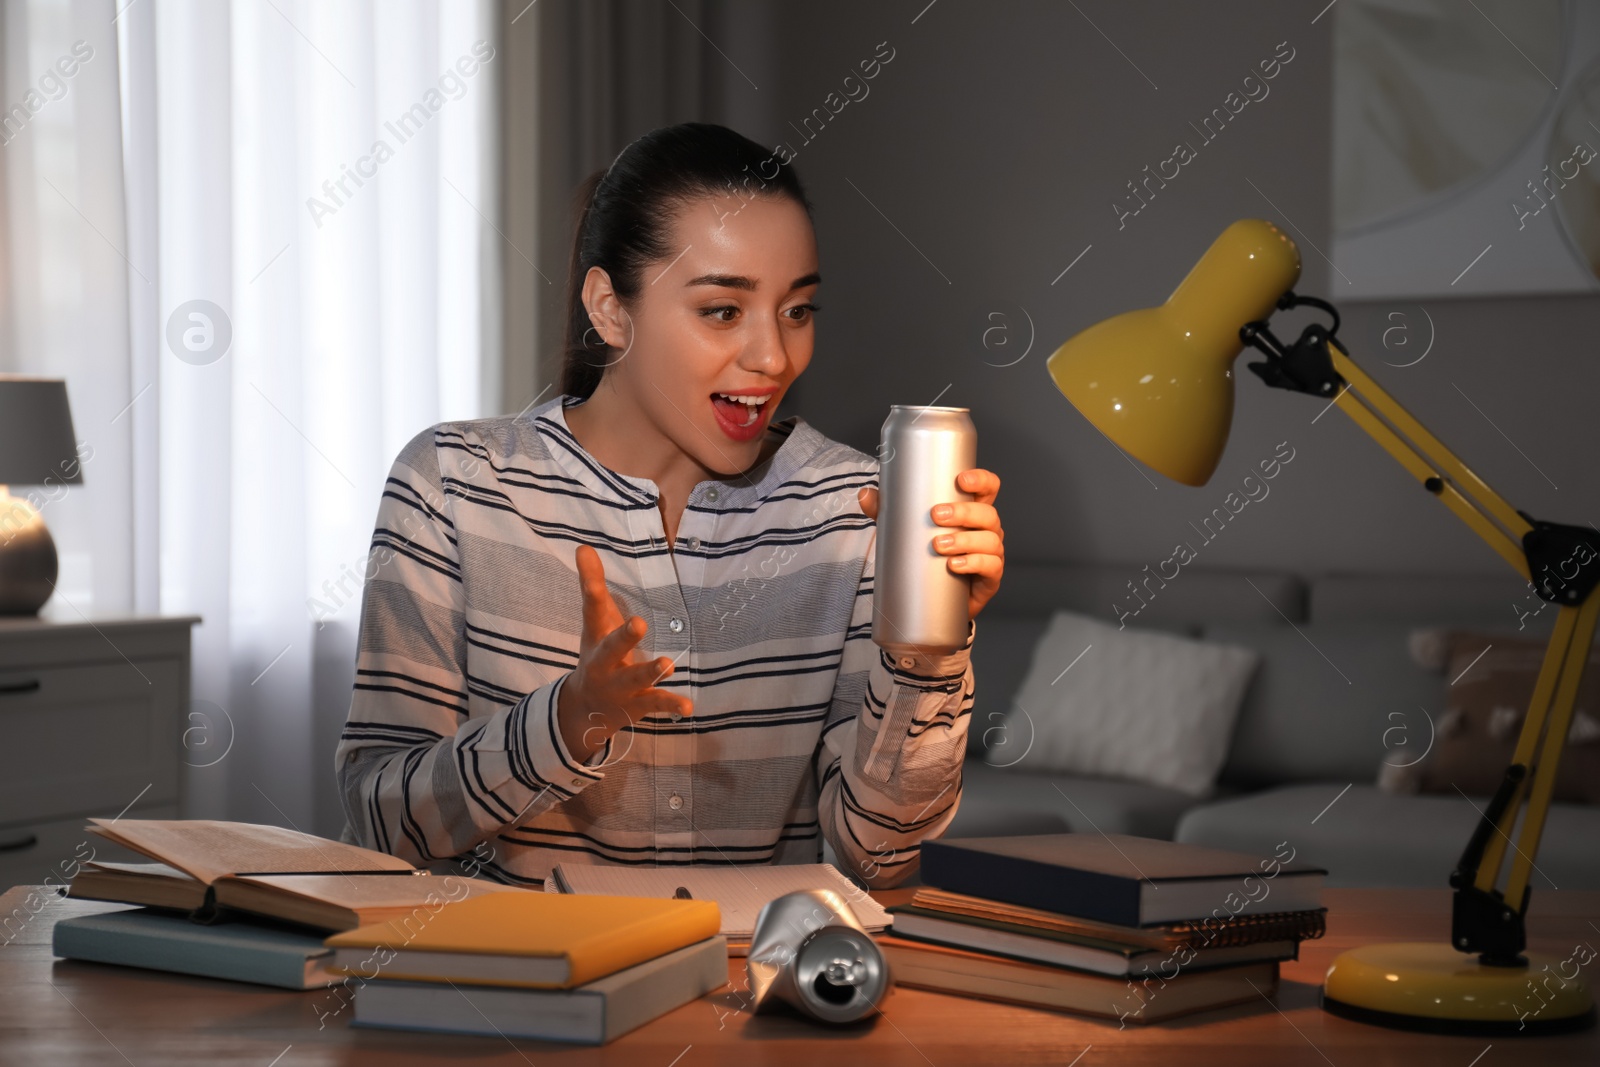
x,y
1435,467
1561,564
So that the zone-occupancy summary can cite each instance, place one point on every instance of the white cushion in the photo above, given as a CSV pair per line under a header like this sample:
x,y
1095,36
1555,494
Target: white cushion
x,y
1134,704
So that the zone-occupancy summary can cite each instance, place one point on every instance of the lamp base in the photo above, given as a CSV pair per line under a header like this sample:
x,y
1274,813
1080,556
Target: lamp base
x,y
28,561
1431,987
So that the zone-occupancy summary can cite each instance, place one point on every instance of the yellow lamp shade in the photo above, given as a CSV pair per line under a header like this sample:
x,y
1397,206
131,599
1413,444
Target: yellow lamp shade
x,y
1159,382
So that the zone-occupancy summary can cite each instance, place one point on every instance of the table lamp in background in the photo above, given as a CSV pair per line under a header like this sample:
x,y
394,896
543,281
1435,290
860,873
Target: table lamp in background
x,y
1159,383
37,447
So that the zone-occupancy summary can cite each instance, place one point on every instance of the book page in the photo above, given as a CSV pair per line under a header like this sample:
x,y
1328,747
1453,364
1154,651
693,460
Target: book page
x,y
358,894
152,884
137,870
740,892
208,849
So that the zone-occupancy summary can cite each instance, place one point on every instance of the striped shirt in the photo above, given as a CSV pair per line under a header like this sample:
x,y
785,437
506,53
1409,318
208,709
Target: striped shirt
x,y
802,728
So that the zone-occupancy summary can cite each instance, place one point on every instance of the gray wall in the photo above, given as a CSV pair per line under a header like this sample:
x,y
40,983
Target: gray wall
x,y
985,157
991,149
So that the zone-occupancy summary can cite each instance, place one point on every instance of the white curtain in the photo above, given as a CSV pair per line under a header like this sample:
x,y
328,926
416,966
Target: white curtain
x,y
272,258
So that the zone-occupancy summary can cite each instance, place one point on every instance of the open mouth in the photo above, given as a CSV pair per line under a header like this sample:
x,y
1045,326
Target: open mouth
x,y
741,416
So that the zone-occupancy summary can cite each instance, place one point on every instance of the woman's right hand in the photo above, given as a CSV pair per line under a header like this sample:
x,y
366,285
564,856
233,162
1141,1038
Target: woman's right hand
x,y
611,687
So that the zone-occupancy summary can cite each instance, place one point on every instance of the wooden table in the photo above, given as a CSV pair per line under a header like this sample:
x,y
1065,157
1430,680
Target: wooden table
x,y
58,1012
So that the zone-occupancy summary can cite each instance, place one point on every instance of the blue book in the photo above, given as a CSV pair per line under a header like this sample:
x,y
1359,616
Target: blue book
x,y
167,941
1120,879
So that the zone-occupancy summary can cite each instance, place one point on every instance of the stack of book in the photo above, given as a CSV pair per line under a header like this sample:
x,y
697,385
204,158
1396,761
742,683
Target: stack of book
x,y
1129,928
409,949
583,969
241,901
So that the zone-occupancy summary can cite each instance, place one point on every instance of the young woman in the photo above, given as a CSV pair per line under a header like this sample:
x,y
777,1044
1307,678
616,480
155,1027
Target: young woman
x,y
633,624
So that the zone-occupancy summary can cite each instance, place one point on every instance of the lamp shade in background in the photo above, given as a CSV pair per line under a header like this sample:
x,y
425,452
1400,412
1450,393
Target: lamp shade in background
x,y
1159,382
37,447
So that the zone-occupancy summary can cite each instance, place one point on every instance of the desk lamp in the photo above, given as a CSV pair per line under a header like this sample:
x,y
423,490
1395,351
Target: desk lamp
x,y
1159,383
36,448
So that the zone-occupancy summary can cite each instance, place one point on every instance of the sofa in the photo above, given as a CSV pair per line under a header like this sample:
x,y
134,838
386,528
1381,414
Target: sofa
x,y
1336,676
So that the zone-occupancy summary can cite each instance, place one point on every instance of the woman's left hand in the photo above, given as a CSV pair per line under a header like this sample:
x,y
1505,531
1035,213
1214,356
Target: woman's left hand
x,y
977,547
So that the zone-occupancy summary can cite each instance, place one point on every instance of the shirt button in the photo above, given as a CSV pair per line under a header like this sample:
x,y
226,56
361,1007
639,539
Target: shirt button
x,y
674,802
675,625
694,544
675,715
577,782
712,494
907,662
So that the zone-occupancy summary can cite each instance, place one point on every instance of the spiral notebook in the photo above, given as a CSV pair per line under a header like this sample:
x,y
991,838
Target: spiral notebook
x,y
740,892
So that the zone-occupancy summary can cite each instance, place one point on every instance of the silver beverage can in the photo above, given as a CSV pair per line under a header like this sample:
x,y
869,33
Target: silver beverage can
x,y
810,952
919,605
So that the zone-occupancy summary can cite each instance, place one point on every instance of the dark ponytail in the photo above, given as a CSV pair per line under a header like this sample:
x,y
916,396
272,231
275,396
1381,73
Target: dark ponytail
x,y
625,213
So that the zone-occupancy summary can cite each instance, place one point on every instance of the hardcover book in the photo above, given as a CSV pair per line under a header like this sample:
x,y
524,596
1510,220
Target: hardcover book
x,y
206,867
1119,879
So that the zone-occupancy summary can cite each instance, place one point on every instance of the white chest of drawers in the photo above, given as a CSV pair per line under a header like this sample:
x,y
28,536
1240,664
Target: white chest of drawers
x,y
92,715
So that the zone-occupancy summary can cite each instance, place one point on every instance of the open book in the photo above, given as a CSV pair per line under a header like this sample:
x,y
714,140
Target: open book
x,y
740,892
205,866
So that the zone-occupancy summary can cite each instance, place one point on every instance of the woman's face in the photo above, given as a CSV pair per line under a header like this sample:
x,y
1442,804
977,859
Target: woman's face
x,y
727,313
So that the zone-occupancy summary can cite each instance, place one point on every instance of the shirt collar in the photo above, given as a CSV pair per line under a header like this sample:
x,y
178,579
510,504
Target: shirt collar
x,y
801,442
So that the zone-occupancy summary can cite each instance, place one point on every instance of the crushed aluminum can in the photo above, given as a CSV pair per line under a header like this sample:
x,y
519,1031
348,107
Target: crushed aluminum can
x,y
810,952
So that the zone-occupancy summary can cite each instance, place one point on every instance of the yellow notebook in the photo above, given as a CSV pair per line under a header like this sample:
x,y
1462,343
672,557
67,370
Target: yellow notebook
x,y
535,940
